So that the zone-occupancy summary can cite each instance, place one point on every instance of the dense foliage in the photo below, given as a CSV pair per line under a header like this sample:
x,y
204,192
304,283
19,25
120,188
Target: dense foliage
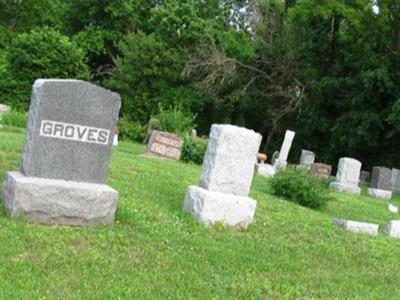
x,y
300,187
329,69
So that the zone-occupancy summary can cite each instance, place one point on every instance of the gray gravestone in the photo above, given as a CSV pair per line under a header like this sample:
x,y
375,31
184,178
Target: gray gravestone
x,y
395,180
165,144
321,170
365,177
68,143
70,131
307,158
381,178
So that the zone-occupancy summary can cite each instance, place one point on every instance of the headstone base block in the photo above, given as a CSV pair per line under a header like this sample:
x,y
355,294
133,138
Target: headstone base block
x,y
378,193
210,208
58,202
265,170
345,188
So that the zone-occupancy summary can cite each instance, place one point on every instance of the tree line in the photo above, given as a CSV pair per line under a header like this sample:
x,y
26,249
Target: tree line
x,y
327,69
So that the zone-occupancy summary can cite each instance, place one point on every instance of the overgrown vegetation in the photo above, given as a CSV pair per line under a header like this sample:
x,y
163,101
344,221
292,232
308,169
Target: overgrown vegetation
x,y
14,118
194,149
300,187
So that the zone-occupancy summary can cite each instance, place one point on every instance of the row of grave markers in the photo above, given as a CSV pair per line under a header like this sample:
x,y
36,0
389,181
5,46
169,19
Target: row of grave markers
x,y
67,149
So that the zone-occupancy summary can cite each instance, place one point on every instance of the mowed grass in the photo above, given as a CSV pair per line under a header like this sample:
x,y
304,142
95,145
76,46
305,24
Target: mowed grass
x,y
155,251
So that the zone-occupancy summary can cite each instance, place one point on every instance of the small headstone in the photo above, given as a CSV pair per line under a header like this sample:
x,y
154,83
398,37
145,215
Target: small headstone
x,y
321,170
281,161
4,109
392,208
66,154
393,229
357,227
365,177
347,176
381,178
395,180
225,180
116,134
165,145
274,157
307,158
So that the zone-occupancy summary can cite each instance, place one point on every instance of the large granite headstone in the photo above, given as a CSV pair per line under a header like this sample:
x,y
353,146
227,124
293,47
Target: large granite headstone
x,y
380,186
165,144
321,170
65,160
225,180
347,176
281,162
395,180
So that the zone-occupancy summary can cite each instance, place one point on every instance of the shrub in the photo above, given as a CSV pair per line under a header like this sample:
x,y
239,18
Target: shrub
x,y
300,187
174,120
14,118
193,149
130,130
40,53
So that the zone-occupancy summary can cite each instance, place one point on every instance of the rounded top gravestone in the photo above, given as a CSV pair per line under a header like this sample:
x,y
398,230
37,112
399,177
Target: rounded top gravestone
x,y
70,130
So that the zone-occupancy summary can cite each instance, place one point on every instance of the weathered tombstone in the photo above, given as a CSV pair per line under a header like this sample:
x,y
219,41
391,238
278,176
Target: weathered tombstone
x,y
306,159
4,109
65,160
365,177
347,176
227,172
321,170
393,209
380,186
357,227
274,157
395,180
393,229
281,161
165,145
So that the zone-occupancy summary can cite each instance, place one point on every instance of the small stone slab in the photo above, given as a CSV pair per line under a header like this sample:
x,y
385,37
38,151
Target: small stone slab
x,y
377,193
321,170
230,158
393,229
50,201
392,208
4,109
265,170
357,227
210,208
165,144
70,129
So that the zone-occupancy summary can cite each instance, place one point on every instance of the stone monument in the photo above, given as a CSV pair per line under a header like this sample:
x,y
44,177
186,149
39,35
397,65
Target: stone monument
x,y
347,176
365,177
321,170
306,159
281,161
227,172
67,149
164,144
380,186
395,180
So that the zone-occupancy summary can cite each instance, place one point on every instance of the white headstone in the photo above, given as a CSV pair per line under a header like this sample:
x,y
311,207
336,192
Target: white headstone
x,y
347,176
307,158
281,162
393,229
225,179
357,227
392,208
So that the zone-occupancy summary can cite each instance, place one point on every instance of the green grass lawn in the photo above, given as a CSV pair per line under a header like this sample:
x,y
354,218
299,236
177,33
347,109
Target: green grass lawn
x,y
155,251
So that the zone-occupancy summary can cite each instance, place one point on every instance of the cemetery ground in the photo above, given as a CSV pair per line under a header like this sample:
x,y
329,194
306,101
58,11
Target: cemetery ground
x,y
154,250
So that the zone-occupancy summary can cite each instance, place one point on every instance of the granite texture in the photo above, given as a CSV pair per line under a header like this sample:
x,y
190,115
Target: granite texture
x,y
210,208
70,130
377,193
230,159
347,176
60,202
381,178
357,227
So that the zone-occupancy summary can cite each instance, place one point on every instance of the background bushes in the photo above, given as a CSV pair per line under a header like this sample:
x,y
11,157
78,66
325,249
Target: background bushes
x,y
299,186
